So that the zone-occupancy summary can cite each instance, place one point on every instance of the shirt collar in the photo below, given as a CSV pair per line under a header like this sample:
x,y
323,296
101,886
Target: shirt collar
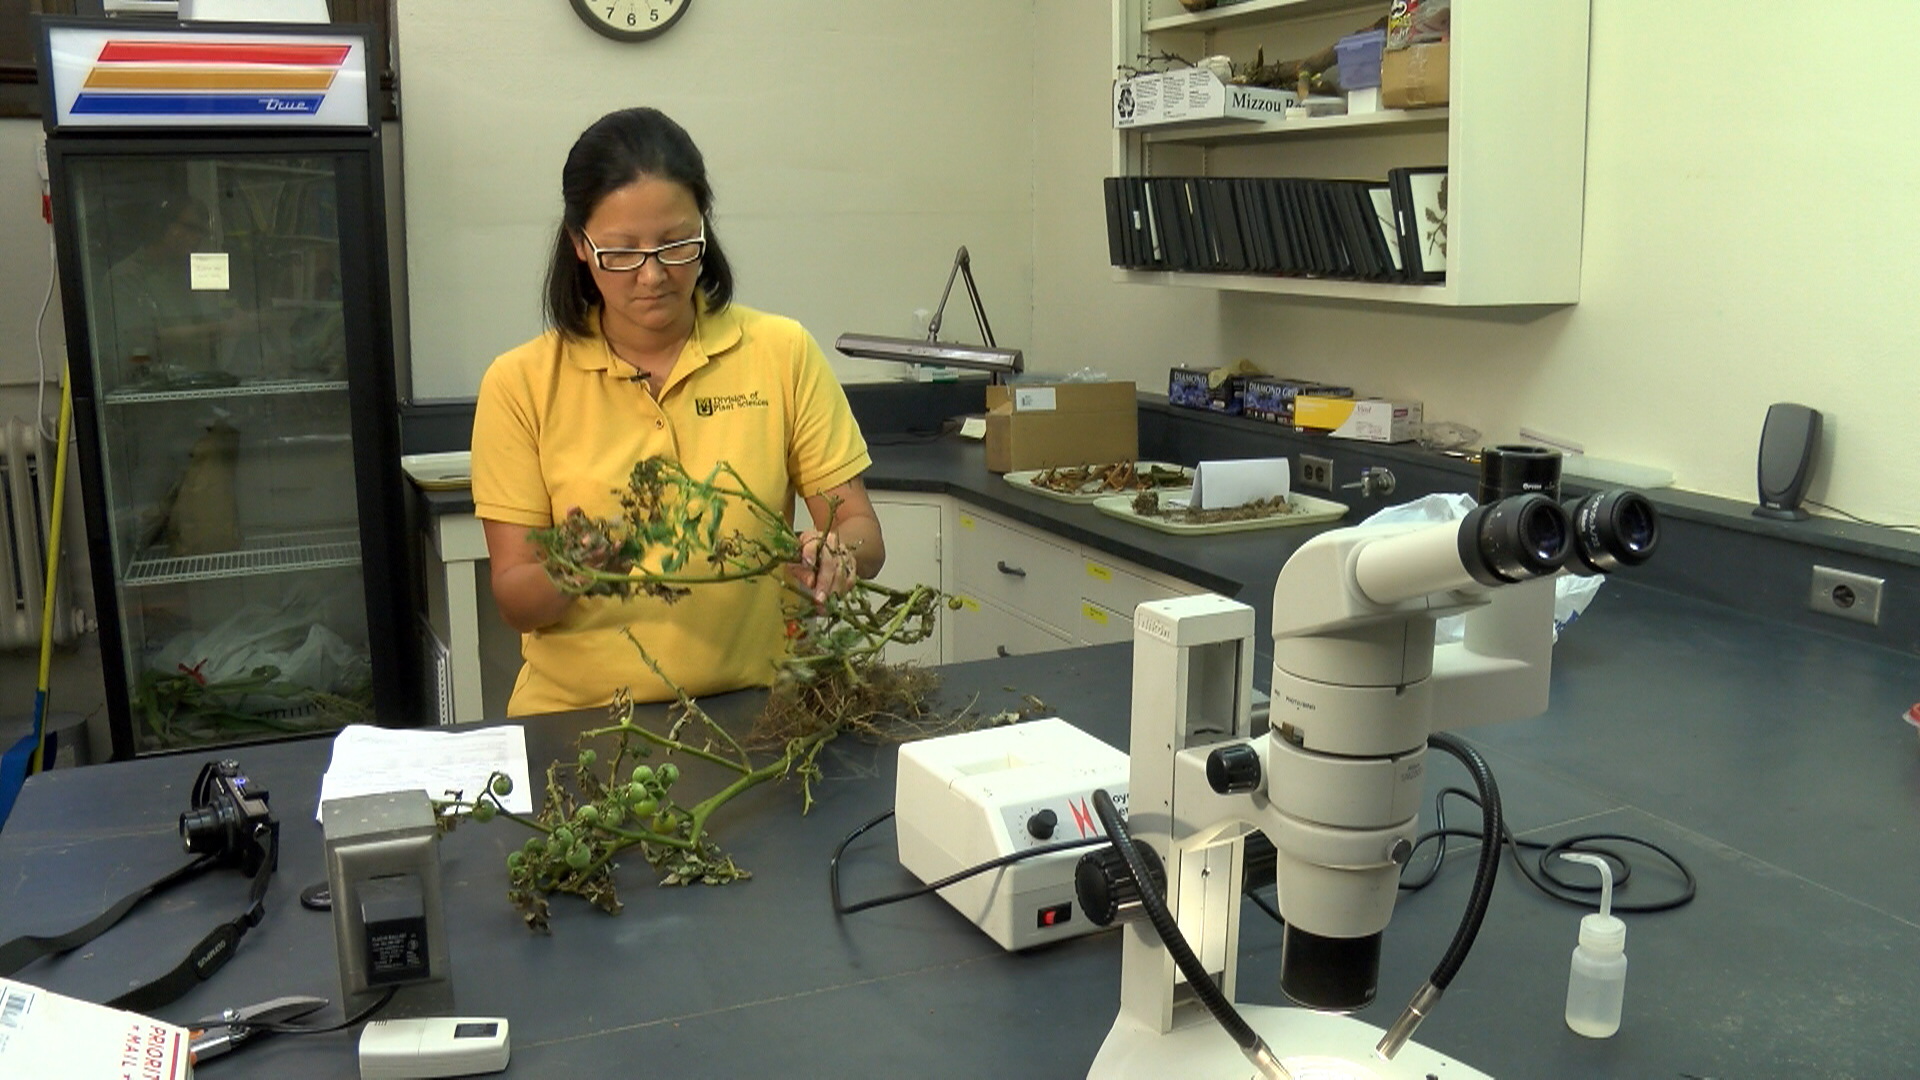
x,y
713,334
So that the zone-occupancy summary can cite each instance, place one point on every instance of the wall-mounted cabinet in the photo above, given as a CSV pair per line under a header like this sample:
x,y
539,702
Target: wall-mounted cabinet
x,y
1513,139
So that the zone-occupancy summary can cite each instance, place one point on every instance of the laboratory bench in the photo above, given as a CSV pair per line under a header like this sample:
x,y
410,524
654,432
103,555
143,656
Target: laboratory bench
x,y
1770,760
1711,548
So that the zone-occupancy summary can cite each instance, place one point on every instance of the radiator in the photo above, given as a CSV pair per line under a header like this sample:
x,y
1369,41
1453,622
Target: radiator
x,y
26,506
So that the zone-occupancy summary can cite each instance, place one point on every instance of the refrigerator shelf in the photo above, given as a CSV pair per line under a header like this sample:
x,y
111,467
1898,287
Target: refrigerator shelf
x,y
246,389
268,555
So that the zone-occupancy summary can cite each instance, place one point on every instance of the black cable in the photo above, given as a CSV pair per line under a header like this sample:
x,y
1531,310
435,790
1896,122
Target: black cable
x,y
1545,874
1488,867
833,869
302,1029
1857,518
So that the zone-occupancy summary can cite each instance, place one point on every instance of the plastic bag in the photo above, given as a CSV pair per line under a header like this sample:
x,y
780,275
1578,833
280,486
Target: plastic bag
x,y
290,637
1571,592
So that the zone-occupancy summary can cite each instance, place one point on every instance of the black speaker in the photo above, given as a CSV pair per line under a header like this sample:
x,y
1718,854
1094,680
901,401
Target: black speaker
x,y
1787,442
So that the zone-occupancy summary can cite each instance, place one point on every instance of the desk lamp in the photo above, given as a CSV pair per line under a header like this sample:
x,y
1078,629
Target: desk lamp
x,y
997,361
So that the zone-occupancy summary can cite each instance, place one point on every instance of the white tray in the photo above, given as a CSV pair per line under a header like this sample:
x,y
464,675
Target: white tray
x,y
450,471
1024,481
1308,511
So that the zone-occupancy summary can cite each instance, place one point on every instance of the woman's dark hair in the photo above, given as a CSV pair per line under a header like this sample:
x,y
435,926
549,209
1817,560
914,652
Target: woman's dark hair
x,y
618,149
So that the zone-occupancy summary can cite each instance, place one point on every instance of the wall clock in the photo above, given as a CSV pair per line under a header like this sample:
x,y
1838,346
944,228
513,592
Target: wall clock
x,y
631,20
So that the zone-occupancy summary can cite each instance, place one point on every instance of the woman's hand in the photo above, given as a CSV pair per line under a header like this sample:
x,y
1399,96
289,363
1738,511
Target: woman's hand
x,y
826,566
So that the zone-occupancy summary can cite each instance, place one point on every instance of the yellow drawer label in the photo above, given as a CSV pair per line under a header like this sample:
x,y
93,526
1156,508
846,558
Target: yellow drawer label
x,y
1093,614
966,522
1098,572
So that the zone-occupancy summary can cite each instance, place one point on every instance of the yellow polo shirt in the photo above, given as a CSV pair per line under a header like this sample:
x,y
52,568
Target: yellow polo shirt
x,y
560,424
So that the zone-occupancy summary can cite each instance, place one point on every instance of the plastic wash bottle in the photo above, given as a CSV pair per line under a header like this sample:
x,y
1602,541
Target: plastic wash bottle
x,y
1597,985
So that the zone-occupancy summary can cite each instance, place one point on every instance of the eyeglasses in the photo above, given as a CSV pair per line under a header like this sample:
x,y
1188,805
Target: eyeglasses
x,y
620,260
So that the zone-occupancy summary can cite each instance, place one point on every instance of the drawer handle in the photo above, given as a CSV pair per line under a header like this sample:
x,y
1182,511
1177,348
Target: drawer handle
x,y
1002,651
1011,571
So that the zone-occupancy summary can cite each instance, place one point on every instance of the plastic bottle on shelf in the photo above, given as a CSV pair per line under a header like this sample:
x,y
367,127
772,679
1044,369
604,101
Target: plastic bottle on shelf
x,y
1597,984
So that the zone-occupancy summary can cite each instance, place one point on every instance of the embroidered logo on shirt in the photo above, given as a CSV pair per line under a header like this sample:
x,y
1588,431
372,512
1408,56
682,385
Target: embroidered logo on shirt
x,y
708,406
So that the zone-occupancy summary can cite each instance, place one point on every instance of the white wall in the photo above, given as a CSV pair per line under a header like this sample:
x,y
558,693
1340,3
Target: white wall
x,y
853,146
1743,245
24,253
1750,237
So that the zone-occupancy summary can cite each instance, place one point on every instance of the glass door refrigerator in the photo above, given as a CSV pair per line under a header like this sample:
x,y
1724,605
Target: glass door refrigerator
x,y
220,225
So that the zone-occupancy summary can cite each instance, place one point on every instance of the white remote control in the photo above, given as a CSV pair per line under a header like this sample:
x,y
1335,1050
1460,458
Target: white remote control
x,y
436,1046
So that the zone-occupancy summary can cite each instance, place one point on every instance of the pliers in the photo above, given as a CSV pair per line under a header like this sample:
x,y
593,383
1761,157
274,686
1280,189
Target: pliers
x,y
216,1035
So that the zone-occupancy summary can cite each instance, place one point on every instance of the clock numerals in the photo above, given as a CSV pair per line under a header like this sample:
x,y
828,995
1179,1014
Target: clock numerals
x,y
623,20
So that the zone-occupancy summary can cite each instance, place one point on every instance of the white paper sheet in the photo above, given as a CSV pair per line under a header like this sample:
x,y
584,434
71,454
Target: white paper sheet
x,y
1219,484
370,760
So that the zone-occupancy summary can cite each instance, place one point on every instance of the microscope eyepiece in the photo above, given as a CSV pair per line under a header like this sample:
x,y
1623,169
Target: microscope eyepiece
x,y
1613,529
1514,539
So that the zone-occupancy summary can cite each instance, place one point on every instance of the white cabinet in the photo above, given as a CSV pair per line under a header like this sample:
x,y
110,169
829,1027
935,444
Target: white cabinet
x,y
1023,590
1513,138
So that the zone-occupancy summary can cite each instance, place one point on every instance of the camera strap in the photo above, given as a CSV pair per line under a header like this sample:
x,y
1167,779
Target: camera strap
x,y
201,961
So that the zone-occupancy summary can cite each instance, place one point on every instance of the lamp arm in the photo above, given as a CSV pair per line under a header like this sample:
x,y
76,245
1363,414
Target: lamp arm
x,y
960,262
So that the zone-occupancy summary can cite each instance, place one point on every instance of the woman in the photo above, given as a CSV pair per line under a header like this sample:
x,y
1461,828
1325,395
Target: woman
x,y
645,356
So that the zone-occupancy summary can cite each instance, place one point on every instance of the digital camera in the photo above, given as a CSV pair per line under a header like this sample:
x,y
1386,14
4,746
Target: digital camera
x,y
230,819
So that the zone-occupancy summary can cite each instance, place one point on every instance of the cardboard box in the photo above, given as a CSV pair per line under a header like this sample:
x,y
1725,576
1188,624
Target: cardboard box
x,y
1042,426
1272,399
1173,97
49,1034
1367,419
1414,77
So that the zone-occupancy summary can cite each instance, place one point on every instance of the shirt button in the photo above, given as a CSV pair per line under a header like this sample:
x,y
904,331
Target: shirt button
x,y
659,423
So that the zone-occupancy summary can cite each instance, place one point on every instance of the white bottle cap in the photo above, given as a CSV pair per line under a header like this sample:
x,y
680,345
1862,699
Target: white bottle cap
x,y
1601,931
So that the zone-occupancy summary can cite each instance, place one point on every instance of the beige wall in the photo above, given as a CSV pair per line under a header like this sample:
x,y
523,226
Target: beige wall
x,y
1748,239
24,254
1744,245
853,147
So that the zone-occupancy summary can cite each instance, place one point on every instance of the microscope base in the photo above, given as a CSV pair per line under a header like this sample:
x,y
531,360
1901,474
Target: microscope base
x,y
1313,1046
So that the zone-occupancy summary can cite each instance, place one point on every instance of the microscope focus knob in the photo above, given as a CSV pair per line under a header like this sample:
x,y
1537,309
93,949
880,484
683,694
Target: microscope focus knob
x,y
1233,769
1041,825
1107,890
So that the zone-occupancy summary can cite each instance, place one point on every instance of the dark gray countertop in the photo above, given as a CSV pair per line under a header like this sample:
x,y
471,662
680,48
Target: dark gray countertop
x,y
1771,760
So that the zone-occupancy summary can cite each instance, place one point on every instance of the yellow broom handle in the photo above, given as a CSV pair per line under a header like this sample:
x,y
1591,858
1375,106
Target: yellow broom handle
x,y
54,520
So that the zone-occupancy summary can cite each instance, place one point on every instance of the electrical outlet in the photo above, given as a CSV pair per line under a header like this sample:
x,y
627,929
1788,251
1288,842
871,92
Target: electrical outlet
x,y
1315,473
1846,595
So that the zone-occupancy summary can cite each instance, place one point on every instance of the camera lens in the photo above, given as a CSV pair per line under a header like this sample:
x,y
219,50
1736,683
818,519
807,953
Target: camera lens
x,y
1613,529
1518,469
1516,538
207,829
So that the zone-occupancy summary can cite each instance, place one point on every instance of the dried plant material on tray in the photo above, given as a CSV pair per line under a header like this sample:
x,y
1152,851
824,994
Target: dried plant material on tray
x,y
1084,483
1148,509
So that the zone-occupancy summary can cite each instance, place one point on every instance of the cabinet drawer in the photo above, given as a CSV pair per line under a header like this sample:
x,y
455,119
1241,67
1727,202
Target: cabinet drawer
x,y
1102,626
1111,587
1017,569
982,629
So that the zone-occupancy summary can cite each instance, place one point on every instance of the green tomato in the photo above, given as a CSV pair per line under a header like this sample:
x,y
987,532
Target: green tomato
x,y
563,836
668,774
579,856
483,812
642,773
587,815
643,807
587,758
612,816
503,785
515,860
534,846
